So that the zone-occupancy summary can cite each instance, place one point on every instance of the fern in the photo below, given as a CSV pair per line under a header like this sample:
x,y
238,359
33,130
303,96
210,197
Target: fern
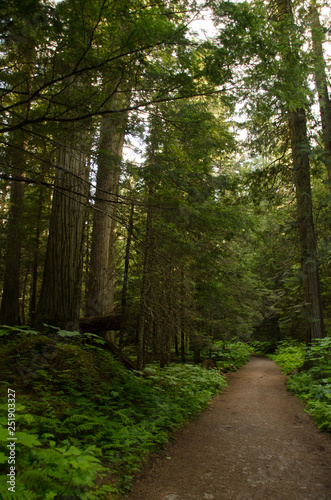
x,y
76,418
86,409
36,479
21,490
313,386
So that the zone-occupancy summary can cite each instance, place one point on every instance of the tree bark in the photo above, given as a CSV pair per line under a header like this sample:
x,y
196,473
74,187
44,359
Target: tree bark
x,y
59,297
100,287
309,261
33,293
24,49
9,313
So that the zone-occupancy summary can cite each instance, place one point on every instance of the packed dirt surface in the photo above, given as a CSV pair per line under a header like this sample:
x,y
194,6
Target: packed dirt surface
x,y
254,442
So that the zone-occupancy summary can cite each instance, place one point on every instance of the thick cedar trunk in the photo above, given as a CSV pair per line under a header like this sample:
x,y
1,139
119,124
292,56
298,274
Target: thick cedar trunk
x,y
321,82
310,275
59,297
100,287
9,313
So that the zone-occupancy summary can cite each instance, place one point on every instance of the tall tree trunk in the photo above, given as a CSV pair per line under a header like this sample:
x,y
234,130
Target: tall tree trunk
x,y
145,288
166,313
9,312
25,46
301,169
100,287
125,277
321,81
301,172
33,296
59,297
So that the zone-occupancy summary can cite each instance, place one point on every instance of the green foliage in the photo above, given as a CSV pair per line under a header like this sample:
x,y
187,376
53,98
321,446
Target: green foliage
x,y
289,355
313,383
54,470
262,348
230,356
84,424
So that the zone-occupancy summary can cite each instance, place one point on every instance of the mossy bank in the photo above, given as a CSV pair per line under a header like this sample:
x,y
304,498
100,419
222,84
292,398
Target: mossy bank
x,y
84,425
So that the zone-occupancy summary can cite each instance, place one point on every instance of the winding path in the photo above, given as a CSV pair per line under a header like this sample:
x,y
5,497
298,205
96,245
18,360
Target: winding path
x,y
254,443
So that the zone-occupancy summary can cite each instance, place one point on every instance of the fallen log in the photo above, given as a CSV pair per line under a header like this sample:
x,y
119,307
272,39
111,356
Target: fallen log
x,y
101,324
123,358
98,324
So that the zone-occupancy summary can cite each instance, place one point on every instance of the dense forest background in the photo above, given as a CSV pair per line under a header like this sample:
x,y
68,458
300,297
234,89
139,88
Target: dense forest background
x,y
164,200
176,183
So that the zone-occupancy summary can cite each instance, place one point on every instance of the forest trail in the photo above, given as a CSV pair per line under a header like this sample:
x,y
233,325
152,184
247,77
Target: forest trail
x,y
253,443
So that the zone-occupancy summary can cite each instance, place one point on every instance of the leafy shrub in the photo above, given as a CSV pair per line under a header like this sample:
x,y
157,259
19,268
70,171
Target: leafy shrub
x,y
319,353
230,356
313,385
289,355
262,348
313,382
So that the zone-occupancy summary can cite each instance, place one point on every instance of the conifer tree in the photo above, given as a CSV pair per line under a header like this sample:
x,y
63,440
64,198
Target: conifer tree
x,y
266,41
321,82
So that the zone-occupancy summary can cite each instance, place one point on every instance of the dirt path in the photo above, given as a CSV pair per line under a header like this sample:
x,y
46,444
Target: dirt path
x,y
255,442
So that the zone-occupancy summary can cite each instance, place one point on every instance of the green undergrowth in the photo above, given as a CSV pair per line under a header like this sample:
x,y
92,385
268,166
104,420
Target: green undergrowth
x,y
312,382
289,355
228,356
84,424
262,348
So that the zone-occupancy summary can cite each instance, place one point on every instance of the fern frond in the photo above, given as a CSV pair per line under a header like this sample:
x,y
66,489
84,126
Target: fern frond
x,y
36,479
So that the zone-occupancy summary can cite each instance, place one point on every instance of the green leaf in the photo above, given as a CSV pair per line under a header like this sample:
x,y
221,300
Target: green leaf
x,y
21,330
66,333
29,440
28,417
50,495
3,434
18,407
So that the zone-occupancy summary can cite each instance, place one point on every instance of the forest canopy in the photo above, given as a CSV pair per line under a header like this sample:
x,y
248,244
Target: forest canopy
x,y
173,185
